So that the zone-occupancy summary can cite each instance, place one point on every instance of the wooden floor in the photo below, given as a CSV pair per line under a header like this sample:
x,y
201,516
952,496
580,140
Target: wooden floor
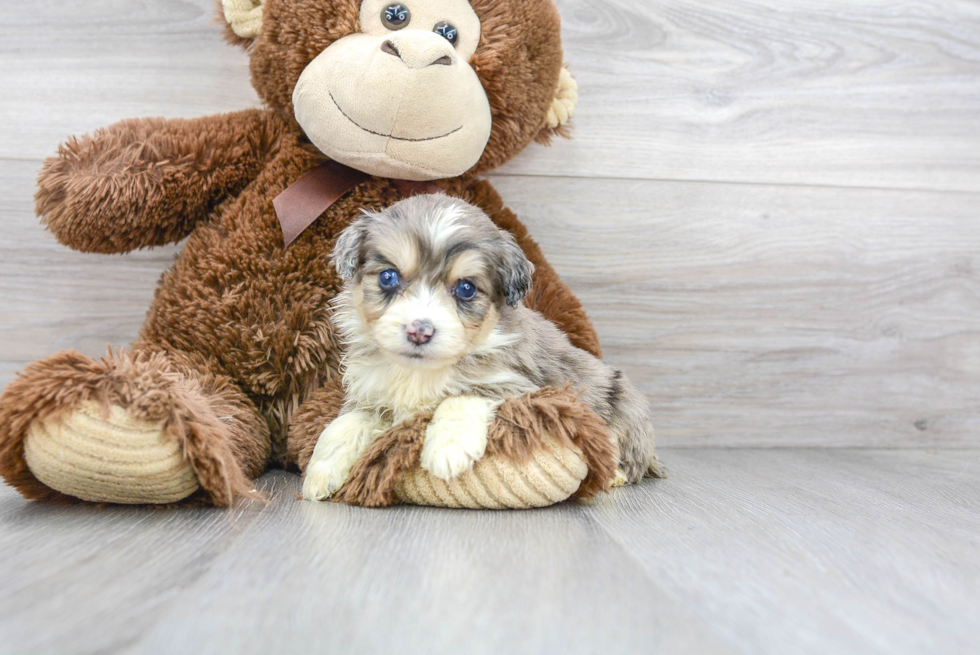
x,y
740,551
772,212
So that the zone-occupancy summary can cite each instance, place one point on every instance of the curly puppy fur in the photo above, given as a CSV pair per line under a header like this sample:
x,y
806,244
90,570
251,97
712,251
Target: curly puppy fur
x,y
240,319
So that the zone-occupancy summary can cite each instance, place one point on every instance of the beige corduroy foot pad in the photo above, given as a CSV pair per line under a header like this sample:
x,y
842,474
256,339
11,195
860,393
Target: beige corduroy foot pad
x,y
108,458
552,475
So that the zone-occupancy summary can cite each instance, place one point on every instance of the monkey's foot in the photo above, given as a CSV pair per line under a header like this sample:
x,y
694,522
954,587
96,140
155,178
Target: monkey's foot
x,y
127,428
107,455
552,474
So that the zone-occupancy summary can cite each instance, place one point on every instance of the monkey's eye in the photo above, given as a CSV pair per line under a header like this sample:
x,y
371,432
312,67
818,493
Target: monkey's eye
x,y
446,30
396,16
465,290
388,279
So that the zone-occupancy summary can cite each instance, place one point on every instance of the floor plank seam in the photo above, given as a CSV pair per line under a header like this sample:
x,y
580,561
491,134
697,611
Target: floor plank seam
x,y
761,183
659,180
650,575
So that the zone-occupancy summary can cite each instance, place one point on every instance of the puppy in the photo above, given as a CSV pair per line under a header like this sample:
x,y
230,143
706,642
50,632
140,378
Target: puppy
x,y
432,319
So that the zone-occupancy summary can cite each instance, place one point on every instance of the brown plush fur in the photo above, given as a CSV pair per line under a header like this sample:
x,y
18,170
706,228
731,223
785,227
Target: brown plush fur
x,y
372,481
308,422
239,326
516,433
135,177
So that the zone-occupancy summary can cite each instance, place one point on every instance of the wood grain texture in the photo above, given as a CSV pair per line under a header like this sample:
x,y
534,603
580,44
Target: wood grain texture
x,y
69,68
740,551
832,92
764,315
814,551
52,298
811,92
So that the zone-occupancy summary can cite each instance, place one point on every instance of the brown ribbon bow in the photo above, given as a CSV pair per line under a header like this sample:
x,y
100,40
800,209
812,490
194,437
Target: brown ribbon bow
x,y
307,198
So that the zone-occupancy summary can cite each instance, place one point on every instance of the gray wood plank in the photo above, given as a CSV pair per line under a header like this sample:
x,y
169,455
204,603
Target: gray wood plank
x,y
814,551
811,92
52,298
769,315
833,92
71,68
423,580
89,580
741,550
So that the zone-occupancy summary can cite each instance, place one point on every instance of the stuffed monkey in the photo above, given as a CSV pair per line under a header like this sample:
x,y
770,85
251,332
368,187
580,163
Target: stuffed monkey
x,y
236,366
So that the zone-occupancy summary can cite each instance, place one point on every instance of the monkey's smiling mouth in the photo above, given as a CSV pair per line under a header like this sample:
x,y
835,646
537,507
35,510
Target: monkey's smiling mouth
x,y
388,136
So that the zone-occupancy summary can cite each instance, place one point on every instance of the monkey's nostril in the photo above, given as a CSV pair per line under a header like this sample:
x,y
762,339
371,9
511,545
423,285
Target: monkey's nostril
x,y
390,48
444,60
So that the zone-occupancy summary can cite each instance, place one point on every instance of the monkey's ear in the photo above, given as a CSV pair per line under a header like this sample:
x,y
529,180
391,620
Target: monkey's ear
x,y
347,251
515,270
243,20
562,108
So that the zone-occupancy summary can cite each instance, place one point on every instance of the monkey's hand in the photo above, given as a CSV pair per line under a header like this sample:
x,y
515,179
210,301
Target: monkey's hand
x,y
456,437
148,182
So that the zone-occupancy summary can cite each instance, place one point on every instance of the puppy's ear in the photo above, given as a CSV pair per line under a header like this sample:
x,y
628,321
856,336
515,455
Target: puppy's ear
x,y
514,269
347,251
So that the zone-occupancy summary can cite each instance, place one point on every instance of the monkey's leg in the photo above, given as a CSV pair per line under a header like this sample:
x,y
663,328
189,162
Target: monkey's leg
x,y
308,422
542,448
132,427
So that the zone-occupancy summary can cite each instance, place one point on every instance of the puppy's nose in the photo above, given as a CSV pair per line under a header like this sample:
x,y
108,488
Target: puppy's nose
x,y
420,332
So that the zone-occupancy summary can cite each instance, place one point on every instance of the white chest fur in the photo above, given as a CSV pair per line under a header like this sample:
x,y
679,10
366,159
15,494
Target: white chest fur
x,y
382,386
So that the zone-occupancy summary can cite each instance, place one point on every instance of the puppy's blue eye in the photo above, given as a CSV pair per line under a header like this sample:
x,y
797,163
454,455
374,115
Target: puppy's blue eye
x,y
388,279
465,290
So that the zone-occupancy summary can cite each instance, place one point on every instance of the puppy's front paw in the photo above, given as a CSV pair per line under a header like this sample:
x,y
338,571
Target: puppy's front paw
x,y
323,479
457,436
336,452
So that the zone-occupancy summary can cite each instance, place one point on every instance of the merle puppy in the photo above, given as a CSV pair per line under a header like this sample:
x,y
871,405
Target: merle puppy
x,y
432,320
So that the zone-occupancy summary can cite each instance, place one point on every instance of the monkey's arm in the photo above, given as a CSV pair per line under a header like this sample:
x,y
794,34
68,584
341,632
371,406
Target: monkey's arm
x,y
148,182
549,295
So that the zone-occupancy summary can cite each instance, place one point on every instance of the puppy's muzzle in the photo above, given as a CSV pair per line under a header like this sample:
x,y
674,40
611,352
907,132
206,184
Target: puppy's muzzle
x,y
420,332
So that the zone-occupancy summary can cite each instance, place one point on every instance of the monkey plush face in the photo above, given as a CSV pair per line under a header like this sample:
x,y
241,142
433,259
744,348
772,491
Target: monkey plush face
x,y
416,90
399,98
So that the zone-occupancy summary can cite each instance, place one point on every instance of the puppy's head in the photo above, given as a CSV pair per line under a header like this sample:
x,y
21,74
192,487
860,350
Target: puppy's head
x,y
429,277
